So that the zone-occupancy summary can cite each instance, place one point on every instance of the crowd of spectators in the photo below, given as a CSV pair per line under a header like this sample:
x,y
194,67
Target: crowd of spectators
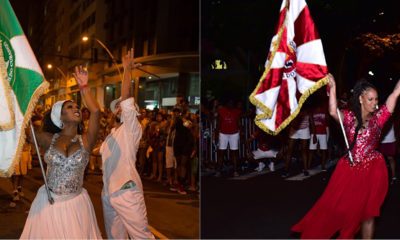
x,y
310,140
168,150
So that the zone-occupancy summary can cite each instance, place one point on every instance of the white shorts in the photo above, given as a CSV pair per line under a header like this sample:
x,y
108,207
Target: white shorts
x,y
170,160
321,139
301,134
231,139
258,154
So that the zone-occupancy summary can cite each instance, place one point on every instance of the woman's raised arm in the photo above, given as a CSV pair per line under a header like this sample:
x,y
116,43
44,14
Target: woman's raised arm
x,y
81,77
392,99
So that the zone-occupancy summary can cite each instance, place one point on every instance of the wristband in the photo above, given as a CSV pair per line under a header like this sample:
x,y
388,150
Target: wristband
x,y
81,87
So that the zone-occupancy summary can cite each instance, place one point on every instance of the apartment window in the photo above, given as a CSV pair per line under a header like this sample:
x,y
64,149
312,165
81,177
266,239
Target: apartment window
x,y
75,15
88,22
86,4
74,34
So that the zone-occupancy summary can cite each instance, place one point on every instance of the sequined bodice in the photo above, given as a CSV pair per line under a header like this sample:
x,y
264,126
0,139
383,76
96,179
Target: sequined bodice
x,y
65,174
368,138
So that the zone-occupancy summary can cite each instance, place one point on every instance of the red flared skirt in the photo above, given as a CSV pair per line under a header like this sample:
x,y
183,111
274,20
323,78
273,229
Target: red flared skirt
x,y
353,195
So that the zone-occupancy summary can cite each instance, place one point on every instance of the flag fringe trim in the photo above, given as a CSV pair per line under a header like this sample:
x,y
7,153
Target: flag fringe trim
x,y
7,90
267,111
29,111
258,120
27,117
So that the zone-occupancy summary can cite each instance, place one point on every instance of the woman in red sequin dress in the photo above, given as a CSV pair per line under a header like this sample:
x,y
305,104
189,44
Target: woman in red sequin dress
x,y
354,194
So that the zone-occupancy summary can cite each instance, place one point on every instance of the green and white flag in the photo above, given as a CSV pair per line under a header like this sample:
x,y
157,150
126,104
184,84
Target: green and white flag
x,y
21,84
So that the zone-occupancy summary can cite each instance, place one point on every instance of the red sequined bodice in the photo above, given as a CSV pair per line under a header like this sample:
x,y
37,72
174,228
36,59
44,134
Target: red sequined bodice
x,y
368,138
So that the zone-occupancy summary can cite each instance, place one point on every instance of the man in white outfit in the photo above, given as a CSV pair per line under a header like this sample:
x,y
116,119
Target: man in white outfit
x,y
122,196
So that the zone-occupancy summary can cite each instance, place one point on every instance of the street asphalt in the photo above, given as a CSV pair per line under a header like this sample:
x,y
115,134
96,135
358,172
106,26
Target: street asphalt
x,y
267,206
170,215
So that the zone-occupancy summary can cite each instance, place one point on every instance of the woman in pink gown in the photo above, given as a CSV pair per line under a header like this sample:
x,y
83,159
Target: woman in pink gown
x,y
355,193
67,151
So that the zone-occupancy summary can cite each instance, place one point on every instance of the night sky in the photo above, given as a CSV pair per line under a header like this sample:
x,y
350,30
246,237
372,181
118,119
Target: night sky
x,y
241,31
232,27
21,9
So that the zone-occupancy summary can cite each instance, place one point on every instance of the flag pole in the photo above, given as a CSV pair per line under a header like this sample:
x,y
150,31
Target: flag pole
x,y
345,138
51,200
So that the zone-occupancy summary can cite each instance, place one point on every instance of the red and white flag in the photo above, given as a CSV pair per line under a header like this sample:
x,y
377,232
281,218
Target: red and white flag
x,y
295,68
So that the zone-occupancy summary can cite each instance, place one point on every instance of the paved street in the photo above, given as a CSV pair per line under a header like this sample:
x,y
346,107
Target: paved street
x,y
267,206
170,214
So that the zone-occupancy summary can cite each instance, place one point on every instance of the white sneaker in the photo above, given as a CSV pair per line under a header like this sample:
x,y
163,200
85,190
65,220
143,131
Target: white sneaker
x,y
260,167
236,174
217,174
271,166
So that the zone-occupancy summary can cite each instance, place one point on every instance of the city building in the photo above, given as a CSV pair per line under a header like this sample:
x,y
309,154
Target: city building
x,y
164,33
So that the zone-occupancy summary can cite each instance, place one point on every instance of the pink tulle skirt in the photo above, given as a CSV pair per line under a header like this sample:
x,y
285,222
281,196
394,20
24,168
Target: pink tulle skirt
x,y
70,217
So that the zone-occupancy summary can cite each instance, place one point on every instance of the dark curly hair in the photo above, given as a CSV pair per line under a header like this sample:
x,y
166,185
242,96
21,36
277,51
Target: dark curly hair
x,y
48,125
361,86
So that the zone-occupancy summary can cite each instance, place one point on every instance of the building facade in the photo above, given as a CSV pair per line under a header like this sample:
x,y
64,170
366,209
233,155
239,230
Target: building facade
x,y
164,34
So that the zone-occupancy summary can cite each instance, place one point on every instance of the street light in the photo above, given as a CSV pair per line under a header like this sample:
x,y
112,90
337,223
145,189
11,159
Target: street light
x,y
86,38
50,66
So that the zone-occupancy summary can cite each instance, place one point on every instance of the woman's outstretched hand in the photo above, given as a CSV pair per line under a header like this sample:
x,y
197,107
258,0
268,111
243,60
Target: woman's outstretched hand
x,y
80,75
128,62
392,99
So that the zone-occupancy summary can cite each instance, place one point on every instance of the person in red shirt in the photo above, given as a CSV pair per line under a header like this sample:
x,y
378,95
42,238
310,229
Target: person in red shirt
x,y
227,130
318,130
